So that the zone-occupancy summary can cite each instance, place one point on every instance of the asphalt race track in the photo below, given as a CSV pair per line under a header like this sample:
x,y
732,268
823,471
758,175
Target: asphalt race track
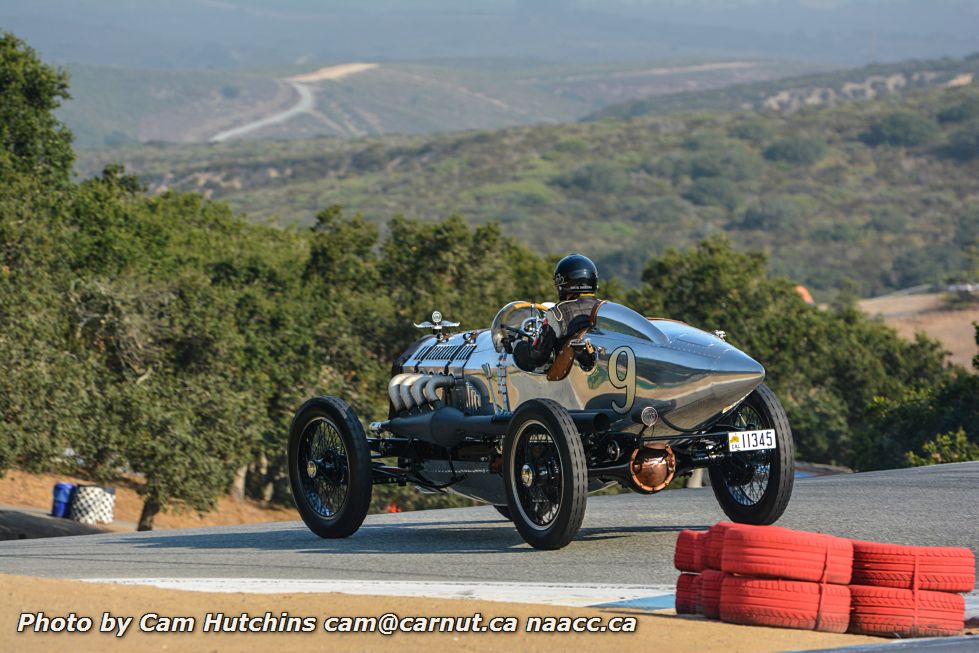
x,y
626,539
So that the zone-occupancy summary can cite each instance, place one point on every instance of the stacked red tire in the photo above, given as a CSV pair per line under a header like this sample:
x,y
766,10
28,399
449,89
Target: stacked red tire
x,y
785,603
772,576
910,591
688,594
774,552
688,555
779,577
890,612
936,568
713,543
711,582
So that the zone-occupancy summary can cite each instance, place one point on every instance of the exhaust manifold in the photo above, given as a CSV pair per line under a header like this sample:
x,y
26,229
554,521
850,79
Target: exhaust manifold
x,y
409,391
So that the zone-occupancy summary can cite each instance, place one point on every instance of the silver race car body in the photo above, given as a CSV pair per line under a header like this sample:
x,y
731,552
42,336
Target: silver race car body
x,y
629,400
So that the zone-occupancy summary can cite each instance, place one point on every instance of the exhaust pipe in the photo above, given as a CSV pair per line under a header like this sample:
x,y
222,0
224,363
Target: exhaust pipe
x,y
435,382
394,394
447,426
416,391
404,388
590,421
407,391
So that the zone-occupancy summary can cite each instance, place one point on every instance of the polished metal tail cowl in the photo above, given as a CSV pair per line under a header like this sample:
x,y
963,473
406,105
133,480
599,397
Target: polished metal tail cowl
x,y
735,375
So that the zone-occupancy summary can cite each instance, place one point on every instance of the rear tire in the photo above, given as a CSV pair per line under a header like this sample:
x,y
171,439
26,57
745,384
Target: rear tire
x,y
504,511
329,467
754,487
545,473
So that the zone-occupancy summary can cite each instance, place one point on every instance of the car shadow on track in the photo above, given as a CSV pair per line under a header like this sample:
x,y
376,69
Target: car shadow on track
x,y
482,536
616,532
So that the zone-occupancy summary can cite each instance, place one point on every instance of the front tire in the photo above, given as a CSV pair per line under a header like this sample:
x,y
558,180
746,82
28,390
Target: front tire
x,y
329,467
754,487
545,473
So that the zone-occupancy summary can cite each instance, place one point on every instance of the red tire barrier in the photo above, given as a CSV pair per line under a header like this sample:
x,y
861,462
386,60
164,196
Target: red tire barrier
x,y
890,612
688,594
713,543
786,604
775,552
688,555
711,582
938,568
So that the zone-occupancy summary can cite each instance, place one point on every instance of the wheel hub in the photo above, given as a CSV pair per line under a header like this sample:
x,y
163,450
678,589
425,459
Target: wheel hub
x,y
311,469
527,475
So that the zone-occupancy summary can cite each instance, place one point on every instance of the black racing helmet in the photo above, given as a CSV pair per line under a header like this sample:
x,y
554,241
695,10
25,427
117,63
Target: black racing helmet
x,y
575,275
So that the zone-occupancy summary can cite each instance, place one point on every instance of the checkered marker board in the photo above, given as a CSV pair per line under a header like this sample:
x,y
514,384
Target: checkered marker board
x,y
92,505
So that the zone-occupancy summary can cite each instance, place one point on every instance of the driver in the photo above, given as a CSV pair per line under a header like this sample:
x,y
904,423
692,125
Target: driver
x,y
576,280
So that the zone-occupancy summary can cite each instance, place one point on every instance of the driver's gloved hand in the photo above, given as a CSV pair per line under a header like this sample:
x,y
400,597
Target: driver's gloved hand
x,y
521,356
585,354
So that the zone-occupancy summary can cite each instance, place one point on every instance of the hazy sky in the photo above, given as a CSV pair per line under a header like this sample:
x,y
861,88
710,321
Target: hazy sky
x,y
259,33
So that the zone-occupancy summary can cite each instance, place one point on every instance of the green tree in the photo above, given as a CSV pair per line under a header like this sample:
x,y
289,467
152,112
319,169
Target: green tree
x,y
752,130
964,142
796,150
598,177
963,108
32,140
945,448
902,128
734,163
38,389
713,191
779,213
936,419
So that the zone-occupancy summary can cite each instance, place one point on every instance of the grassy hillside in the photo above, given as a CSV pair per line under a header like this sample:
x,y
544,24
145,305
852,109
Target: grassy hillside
x,y
830,202
113,105
792,94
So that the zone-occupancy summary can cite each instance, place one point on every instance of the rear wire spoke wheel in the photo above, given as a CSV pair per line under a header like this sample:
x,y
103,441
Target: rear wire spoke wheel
x,y
545,474
329,467
754,487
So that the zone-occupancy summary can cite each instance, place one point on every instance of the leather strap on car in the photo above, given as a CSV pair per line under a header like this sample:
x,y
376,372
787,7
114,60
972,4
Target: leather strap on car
x,y
594,312
561,366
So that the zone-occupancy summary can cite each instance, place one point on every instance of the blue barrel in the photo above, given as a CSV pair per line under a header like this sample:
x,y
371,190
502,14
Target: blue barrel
x,y
62,499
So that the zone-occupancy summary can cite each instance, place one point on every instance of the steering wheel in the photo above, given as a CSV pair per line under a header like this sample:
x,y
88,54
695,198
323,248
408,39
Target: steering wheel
x,y
531,326
528,328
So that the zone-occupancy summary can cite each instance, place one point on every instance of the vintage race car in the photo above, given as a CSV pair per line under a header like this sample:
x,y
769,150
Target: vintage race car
x,y
655,400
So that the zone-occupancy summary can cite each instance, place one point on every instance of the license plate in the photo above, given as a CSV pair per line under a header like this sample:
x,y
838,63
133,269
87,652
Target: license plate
x,y
751,440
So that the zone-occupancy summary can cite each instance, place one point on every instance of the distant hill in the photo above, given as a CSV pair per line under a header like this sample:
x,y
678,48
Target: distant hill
x,y
113,105
819,89
879,193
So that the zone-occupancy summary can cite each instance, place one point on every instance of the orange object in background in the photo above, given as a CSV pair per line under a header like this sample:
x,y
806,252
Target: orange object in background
x,y
392,507
805,294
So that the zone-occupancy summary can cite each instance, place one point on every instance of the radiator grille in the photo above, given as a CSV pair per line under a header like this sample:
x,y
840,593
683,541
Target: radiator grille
x,y
446,352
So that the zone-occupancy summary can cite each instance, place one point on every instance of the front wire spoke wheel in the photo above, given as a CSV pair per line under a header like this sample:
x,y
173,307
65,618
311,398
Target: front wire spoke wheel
x,y
539,464
329,467
754,487
545,473
325,462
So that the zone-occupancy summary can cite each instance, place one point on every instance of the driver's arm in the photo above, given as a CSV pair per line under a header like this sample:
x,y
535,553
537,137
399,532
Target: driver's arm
x,y
530,356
